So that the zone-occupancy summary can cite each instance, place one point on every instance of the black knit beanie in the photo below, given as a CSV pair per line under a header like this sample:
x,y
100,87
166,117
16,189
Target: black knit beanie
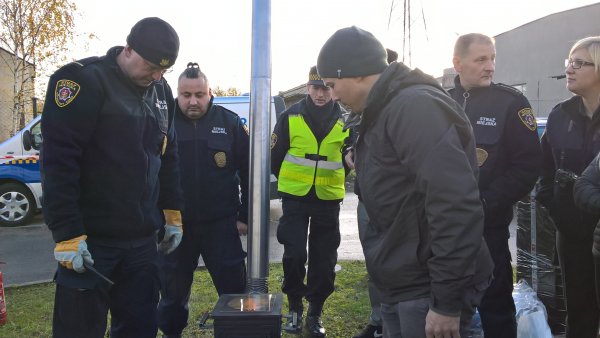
x,y
155,40
351,52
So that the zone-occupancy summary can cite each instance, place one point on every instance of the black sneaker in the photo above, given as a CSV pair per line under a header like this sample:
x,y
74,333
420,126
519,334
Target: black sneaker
x,y
294,323
315,326
370,331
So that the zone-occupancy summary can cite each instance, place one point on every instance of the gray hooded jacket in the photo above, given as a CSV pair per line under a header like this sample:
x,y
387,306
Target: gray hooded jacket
x,y
417,170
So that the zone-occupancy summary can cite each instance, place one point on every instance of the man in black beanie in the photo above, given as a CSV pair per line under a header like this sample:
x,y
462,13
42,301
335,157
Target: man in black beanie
x,y
416,168
374,328
306,157
110,179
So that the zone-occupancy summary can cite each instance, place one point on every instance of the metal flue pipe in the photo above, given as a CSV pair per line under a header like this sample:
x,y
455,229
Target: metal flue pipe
x,y
260,150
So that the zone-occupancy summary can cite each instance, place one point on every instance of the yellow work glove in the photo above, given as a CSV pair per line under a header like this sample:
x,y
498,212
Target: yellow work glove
x,y
72,253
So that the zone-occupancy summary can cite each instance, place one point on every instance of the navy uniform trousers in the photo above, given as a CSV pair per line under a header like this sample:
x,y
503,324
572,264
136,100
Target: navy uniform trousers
x,y
82,301
579,282
323,242
497,308
219,244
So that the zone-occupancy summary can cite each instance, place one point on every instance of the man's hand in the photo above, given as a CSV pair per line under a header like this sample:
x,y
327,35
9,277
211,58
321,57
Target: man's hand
x,y
564,177
440,326
349,158
173,231
72,253
242,228
596,245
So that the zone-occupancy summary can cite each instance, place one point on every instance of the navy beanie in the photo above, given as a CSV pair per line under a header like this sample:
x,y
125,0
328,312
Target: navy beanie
x,y
351,52
155,40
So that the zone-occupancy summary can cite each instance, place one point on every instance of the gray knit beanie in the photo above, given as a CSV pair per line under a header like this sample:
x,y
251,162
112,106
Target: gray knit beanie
x,y
351,52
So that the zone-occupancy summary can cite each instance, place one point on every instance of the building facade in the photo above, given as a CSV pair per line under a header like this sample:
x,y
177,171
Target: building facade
x,y
531,57
10,121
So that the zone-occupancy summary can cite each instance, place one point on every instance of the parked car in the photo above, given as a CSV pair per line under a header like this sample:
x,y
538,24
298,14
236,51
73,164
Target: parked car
x,y
20,188
541,125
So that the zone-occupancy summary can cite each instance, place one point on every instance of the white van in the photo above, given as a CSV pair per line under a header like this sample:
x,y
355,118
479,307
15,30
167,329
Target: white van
x,y
20,186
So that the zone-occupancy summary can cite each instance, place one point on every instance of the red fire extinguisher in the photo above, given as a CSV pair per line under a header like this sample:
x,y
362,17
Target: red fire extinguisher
x,y
2,302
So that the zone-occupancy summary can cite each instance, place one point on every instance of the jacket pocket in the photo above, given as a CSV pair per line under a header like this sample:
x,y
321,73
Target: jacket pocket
x,y
398,256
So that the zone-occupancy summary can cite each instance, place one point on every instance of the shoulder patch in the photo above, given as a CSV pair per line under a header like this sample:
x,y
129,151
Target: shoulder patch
x,y
246,129
526,116
273,140
65,92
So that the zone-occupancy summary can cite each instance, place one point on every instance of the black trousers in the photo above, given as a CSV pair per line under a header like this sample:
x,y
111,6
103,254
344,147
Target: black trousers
x,y
578,273
221,248
497,308
82,301
322,218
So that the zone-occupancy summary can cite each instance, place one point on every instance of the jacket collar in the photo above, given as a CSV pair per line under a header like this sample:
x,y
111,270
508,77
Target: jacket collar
x,y
394,78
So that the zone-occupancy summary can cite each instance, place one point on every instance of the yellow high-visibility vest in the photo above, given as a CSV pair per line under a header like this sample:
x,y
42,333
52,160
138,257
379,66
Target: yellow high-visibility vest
x,y
309,163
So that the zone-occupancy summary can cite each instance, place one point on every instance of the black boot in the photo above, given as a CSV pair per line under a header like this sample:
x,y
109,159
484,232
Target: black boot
x,y
315,326
294,321
313,320
370,331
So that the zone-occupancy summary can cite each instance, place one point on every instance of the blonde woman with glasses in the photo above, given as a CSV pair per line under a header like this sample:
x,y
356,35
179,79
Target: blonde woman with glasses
x,y
570,143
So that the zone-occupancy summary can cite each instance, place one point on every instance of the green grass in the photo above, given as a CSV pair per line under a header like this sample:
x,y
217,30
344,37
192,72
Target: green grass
x,y
345,312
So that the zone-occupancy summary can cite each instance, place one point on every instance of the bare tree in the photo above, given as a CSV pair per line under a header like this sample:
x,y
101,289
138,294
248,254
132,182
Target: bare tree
x,y
231,91
35,33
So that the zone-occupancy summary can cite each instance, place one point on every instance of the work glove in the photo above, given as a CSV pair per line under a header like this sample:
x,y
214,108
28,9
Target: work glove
x,y
564,177
173,232
73,253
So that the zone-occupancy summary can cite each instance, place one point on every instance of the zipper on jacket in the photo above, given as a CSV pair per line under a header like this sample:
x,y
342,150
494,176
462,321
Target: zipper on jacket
x,y
561,162
316,166
465,95
195,152
145,190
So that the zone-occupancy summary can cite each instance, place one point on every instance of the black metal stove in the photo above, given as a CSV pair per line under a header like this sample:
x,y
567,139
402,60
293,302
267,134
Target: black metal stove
x,y
248,315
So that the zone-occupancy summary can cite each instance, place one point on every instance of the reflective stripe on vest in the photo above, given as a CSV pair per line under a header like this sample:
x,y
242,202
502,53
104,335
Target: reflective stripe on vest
x,y
309,163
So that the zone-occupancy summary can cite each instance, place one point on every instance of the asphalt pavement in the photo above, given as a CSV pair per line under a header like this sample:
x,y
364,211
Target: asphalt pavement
x,y
28,259
26,253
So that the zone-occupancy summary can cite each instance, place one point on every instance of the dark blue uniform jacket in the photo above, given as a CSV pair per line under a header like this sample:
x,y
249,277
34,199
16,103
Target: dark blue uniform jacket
x,y
213,152
570,142
109,158
508,148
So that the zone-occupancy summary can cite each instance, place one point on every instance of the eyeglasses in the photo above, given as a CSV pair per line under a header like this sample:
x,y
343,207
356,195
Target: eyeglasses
x,y
153,68
576,64
162,71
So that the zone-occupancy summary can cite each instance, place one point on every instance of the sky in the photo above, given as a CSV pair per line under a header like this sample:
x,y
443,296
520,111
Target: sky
x,y
217,33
